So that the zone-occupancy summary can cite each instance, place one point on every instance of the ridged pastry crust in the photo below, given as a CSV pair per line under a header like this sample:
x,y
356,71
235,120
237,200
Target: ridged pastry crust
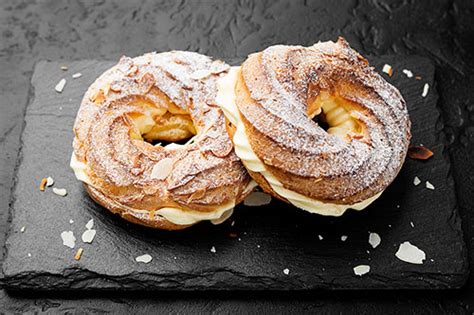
x,y
279,90
205,174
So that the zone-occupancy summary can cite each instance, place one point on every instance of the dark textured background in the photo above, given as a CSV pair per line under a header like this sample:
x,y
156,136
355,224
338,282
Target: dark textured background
x,y
440,30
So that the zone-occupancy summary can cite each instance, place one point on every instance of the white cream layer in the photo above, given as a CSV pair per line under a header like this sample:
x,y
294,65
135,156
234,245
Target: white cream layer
x,y
226,100
174,215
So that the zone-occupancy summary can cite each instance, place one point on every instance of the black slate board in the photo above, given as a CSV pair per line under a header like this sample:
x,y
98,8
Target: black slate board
x,y
270,238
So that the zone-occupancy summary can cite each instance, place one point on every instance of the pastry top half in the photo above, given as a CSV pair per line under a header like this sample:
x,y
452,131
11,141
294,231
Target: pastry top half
x,y
316,126
128,111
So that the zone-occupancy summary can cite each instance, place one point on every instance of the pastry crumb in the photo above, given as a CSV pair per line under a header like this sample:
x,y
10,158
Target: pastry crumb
x,y
286,271
213,249
343,238
320,237
64,68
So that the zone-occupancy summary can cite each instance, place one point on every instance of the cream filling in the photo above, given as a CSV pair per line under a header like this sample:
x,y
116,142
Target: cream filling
x,y
172,214
226,100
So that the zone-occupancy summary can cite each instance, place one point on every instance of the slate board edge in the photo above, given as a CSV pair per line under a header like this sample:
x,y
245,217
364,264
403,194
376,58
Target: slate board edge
x,y
81,277
455,220
29,100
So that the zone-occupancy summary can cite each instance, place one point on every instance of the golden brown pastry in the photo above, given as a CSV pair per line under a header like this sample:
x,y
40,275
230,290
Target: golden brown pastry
x,y
316,126
159,97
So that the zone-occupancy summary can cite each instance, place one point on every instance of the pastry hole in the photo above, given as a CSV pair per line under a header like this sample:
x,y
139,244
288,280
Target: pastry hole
x,y
159,127
332,113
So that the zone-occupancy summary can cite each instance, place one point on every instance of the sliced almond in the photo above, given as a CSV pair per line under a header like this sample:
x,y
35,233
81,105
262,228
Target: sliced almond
x,y
429,185
99,97
88,236
426,88
361,270
43,183
60,191
78,254
144,259
147,82
419,153
116,86
200,74
387,69
60,86
162,169
49,181
410,253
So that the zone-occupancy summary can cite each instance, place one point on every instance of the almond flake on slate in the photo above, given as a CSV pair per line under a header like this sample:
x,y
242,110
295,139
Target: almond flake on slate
x,y
162,169
387,69
361,270
23,228
320,237
68,239
408,73
286,271
71,221
410,253
78,254
213,249
60,191
429,185
90,224
43,183
88,236
426,87
343,238
257,198
374,240
60,86
144,259
200,74
416,181
49,181
419,153
412,225
77,75
29,254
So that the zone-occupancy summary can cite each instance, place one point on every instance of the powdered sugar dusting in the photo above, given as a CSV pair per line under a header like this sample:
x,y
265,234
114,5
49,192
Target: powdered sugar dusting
x,y
298,145
119,160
